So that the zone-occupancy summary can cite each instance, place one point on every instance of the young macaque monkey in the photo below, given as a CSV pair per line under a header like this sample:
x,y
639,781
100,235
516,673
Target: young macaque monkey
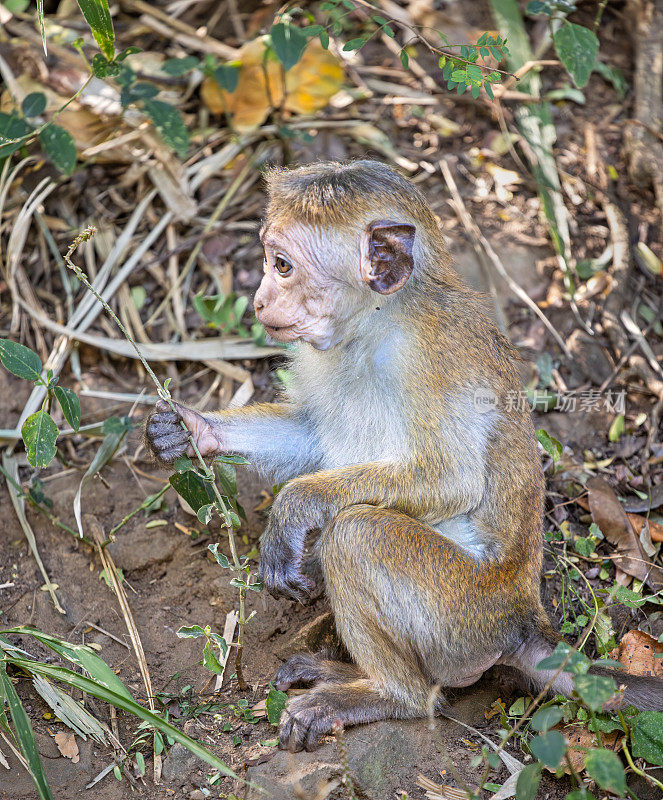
x,y
398,440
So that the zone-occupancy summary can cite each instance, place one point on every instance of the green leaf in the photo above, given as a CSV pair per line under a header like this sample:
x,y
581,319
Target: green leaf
x,y
135,92
577,664
191,632
125,704
614,75
103,68
70,405
98,17
220,641
577,48
193,489
551,445
183,464
168,121
616,429
220,559
227,76
78,654
180,66
39,434
405,59
607,770
546,718
60,147
594,690
648,737
324,39
16,6
24,734
34,104
288,42
274,704
211,661
20,360
536,7
353,44
204,513
528,782
12,127
549,748
140,762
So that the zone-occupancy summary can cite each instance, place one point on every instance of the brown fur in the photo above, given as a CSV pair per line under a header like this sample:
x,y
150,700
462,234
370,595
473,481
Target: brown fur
x,y
413,606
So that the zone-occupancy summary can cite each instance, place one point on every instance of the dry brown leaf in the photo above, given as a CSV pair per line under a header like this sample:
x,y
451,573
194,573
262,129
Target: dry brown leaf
x,y
260,709
67,746
637,651
608,514
310,84
580,740
638,522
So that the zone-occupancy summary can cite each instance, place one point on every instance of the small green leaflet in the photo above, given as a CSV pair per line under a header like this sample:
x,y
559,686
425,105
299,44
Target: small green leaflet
x,y
211,661
193,489
577,48
607,770
549,748
34,104
594,690
528,782
168,121
274,704
98,17
12,127
70,405
40,433
648,737
227,76
60,148
191,632
551,445
20,360
289,43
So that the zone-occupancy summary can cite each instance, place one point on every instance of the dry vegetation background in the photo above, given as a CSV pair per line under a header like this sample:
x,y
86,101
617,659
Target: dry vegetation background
x,y
177,207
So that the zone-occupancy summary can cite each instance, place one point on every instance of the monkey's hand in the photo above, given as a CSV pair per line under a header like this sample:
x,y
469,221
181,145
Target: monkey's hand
x,y
167,440
280,562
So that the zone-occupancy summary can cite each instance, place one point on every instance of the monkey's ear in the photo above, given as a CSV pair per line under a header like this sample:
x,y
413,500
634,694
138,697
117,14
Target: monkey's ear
x,y
386,255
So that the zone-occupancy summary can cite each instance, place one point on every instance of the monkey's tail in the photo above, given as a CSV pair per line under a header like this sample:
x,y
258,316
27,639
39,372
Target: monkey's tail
x,y
645,693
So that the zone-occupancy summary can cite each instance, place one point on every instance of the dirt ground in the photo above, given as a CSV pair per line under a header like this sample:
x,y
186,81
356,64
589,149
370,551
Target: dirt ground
x,y
170,577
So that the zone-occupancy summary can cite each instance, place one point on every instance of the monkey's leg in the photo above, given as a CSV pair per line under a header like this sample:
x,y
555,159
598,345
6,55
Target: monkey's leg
x,y
413,610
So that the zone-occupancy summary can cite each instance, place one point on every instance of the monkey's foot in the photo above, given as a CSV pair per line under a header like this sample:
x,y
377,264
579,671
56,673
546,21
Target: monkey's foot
x,y
312,715
314,668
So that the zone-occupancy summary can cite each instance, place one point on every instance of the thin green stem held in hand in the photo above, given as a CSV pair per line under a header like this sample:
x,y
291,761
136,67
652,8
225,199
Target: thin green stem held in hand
x,y
207,472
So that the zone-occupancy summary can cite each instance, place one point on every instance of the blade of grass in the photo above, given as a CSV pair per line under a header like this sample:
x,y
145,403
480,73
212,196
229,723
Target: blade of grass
x,y
73,679
24,734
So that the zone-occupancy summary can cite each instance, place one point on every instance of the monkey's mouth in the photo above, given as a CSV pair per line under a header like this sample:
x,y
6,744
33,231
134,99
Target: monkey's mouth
x,y
277,331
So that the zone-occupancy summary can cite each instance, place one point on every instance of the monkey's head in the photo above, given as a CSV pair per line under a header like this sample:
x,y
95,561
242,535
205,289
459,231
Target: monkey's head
x,y
335,236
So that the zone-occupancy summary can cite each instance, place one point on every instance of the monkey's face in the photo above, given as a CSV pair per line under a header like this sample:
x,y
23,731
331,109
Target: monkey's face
x,y
316,280
302,295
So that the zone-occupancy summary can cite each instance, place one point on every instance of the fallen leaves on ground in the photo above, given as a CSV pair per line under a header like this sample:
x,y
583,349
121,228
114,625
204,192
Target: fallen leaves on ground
x,y
608,513
309,85
637,651
66,743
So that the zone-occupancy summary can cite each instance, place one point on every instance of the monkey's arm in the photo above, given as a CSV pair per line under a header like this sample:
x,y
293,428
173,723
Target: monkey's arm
x,y
312,501
275,437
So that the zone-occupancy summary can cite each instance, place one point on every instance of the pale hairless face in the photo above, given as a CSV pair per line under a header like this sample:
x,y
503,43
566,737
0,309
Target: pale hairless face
x,y
300,295
316,280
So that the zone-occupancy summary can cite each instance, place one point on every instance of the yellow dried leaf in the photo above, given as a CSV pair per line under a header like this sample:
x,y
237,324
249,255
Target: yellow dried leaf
x,y
309,85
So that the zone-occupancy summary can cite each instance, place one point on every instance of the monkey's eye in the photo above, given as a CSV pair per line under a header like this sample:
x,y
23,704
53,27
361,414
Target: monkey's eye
x,y
282,266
